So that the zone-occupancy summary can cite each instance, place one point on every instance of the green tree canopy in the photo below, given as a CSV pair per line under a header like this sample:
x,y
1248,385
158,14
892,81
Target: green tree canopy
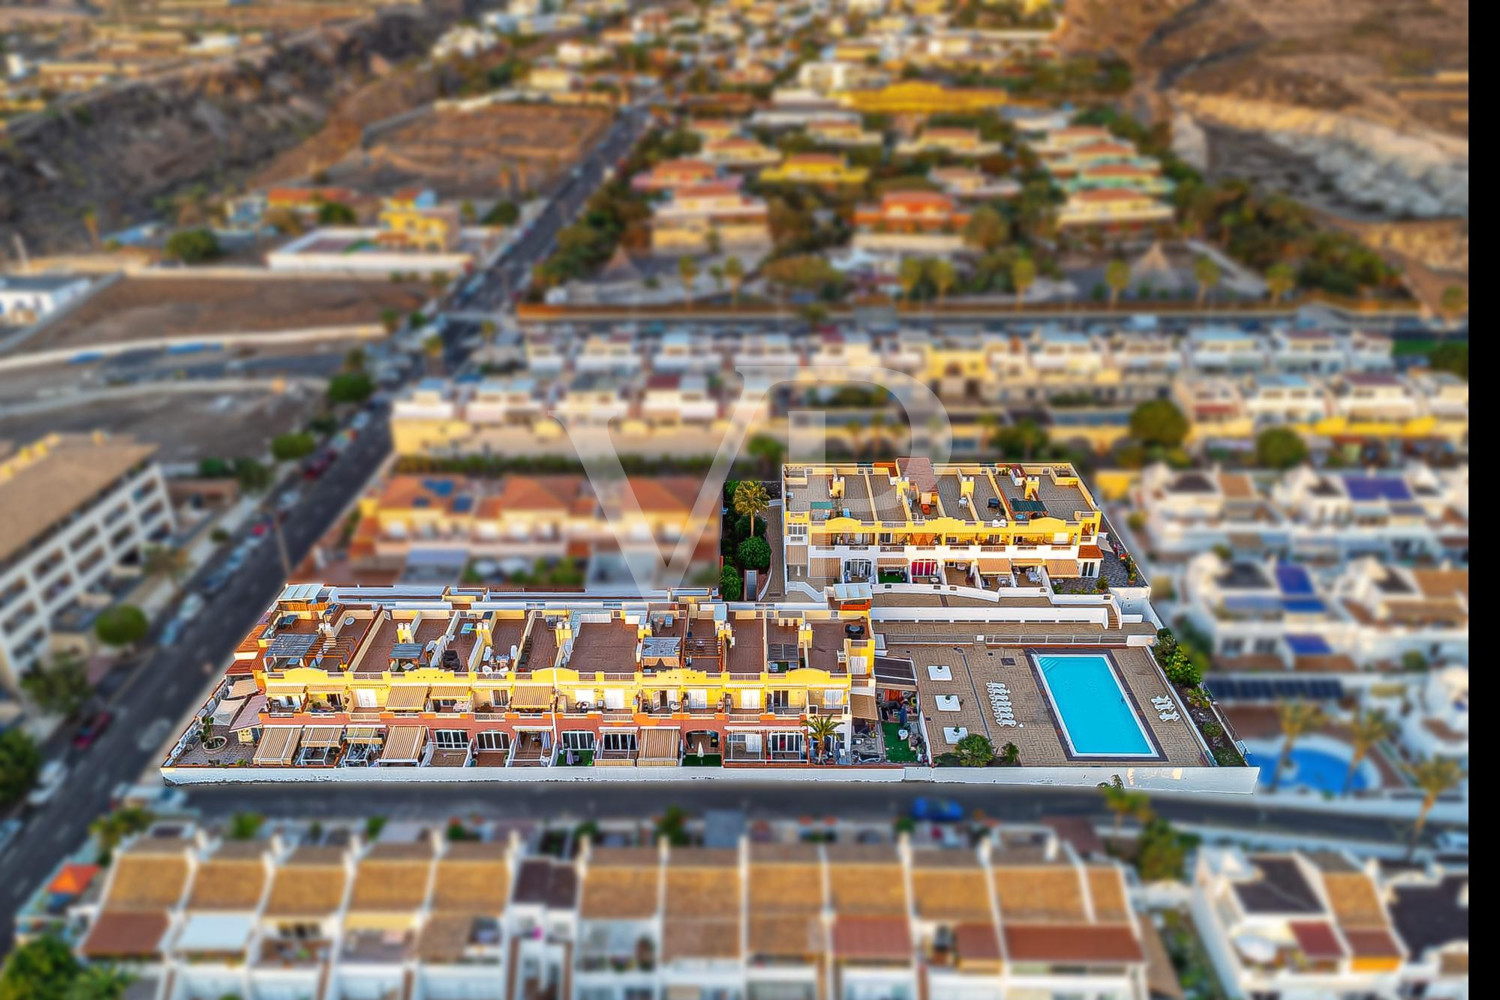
x,y
43,969
350,387
252,475
292,445
336,213
1279,448
975,750
731,584
19,762
121,625
1159,422
60,688
754,553
193,246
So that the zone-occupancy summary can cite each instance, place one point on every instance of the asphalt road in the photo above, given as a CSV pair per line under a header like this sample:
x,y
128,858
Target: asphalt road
x,y
768,800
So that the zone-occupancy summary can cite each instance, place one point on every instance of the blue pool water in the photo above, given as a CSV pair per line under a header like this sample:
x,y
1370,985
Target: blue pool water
x,y
1318,769
1097,718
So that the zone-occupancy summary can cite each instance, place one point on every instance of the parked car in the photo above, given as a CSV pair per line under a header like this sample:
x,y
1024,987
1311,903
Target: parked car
x,y
171,632
1453,842
315,466
288,500
215,581
260,527
92,728
936,811
9,831
188,610
48,780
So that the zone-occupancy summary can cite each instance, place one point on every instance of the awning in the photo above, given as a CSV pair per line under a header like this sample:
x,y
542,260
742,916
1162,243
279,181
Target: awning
x,y
326,689
1062,568
407,698
403,744
863,706
895,673
988,566
226,711
243,688
891,562
451,692
274,690
248,716
278,746
659,743
363,734
531,697
322,736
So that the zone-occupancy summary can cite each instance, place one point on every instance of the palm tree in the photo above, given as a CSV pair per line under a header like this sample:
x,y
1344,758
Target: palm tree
x,y
877,430
735,272
910,276
766,450
1117,277
1434,776
432,348
1028,434
163,562
91,223
1366,730
750,499
1123,802
820,729
1297,718
1207,274
941,273
687,270
1023,276
99,982
989,428
1280,280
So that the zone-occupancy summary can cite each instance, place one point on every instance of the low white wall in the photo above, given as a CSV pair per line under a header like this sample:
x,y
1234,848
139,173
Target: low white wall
x,y
1238,780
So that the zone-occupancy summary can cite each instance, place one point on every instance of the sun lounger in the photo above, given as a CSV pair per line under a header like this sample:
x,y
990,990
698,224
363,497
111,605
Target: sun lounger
x,y
1169,716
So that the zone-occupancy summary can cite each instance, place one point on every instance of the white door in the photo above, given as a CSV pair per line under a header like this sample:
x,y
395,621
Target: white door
x,y
749,699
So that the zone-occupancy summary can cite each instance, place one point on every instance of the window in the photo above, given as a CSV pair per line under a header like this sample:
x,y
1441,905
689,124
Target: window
x,y
451,739
796,531
833,699
577,739
623,742
492,739
785,742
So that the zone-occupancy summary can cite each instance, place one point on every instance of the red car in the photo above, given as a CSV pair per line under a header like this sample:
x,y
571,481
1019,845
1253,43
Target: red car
x,y
92,728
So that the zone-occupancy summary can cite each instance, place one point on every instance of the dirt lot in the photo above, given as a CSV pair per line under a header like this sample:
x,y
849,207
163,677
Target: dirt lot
x,y
501,150
138,308
186,426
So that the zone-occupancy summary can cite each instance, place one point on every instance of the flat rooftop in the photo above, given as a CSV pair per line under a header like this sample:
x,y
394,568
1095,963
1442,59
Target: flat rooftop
x,y
869,491
47,481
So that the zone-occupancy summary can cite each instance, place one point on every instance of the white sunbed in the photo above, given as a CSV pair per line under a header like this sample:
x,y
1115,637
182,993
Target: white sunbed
x,y
1169,716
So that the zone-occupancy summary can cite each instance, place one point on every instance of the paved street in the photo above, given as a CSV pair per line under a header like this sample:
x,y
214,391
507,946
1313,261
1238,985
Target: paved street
x,y
763,800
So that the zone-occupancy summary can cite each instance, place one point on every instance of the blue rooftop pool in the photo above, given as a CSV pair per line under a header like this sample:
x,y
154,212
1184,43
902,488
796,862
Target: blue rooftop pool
x,y
1097,718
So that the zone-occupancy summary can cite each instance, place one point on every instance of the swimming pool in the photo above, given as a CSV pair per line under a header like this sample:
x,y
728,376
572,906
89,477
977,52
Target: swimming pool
x,y
1318,762
1089,701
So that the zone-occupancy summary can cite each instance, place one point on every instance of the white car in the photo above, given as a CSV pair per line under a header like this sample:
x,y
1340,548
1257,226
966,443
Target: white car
x,y
48,780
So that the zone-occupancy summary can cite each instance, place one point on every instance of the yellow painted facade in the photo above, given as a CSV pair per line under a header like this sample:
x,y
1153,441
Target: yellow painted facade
x,y
915,97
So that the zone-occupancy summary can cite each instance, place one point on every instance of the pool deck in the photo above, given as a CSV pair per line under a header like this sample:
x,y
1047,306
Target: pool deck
x,y
1036,736
1259,722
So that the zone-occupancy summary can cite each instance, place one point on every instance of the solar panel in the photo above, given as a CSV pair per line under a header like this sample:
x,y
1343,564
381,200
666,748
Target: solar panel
x,y
1293,579
1369,488
291,645
463,505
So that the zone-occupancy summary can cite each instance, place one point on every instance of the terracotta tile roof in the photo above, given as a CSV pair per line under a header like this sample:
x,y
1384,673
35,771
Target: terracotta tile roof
x,y
697,939
953,895
126,935
229,884
870,937
444,937
472,881
702,893
1107,892
1071,943
1372,943
867,890
392,878
1039,893
1077,831
785,936
976,942
785,888
543,493
1352,897
617,893
144,881
310,884
1316,939
1442,584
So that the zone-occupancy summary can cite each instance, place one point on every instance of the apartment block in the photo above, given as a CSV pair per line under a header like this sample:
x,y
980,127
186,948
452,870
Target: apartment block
x,y
980,526
322,910
79,513
336,678
1312,925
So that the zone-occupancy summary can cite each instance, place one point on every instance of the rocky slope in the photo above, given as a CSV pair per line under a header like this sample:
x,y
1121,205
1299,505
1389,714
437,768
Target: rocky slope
x,y
126,152
1365,100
